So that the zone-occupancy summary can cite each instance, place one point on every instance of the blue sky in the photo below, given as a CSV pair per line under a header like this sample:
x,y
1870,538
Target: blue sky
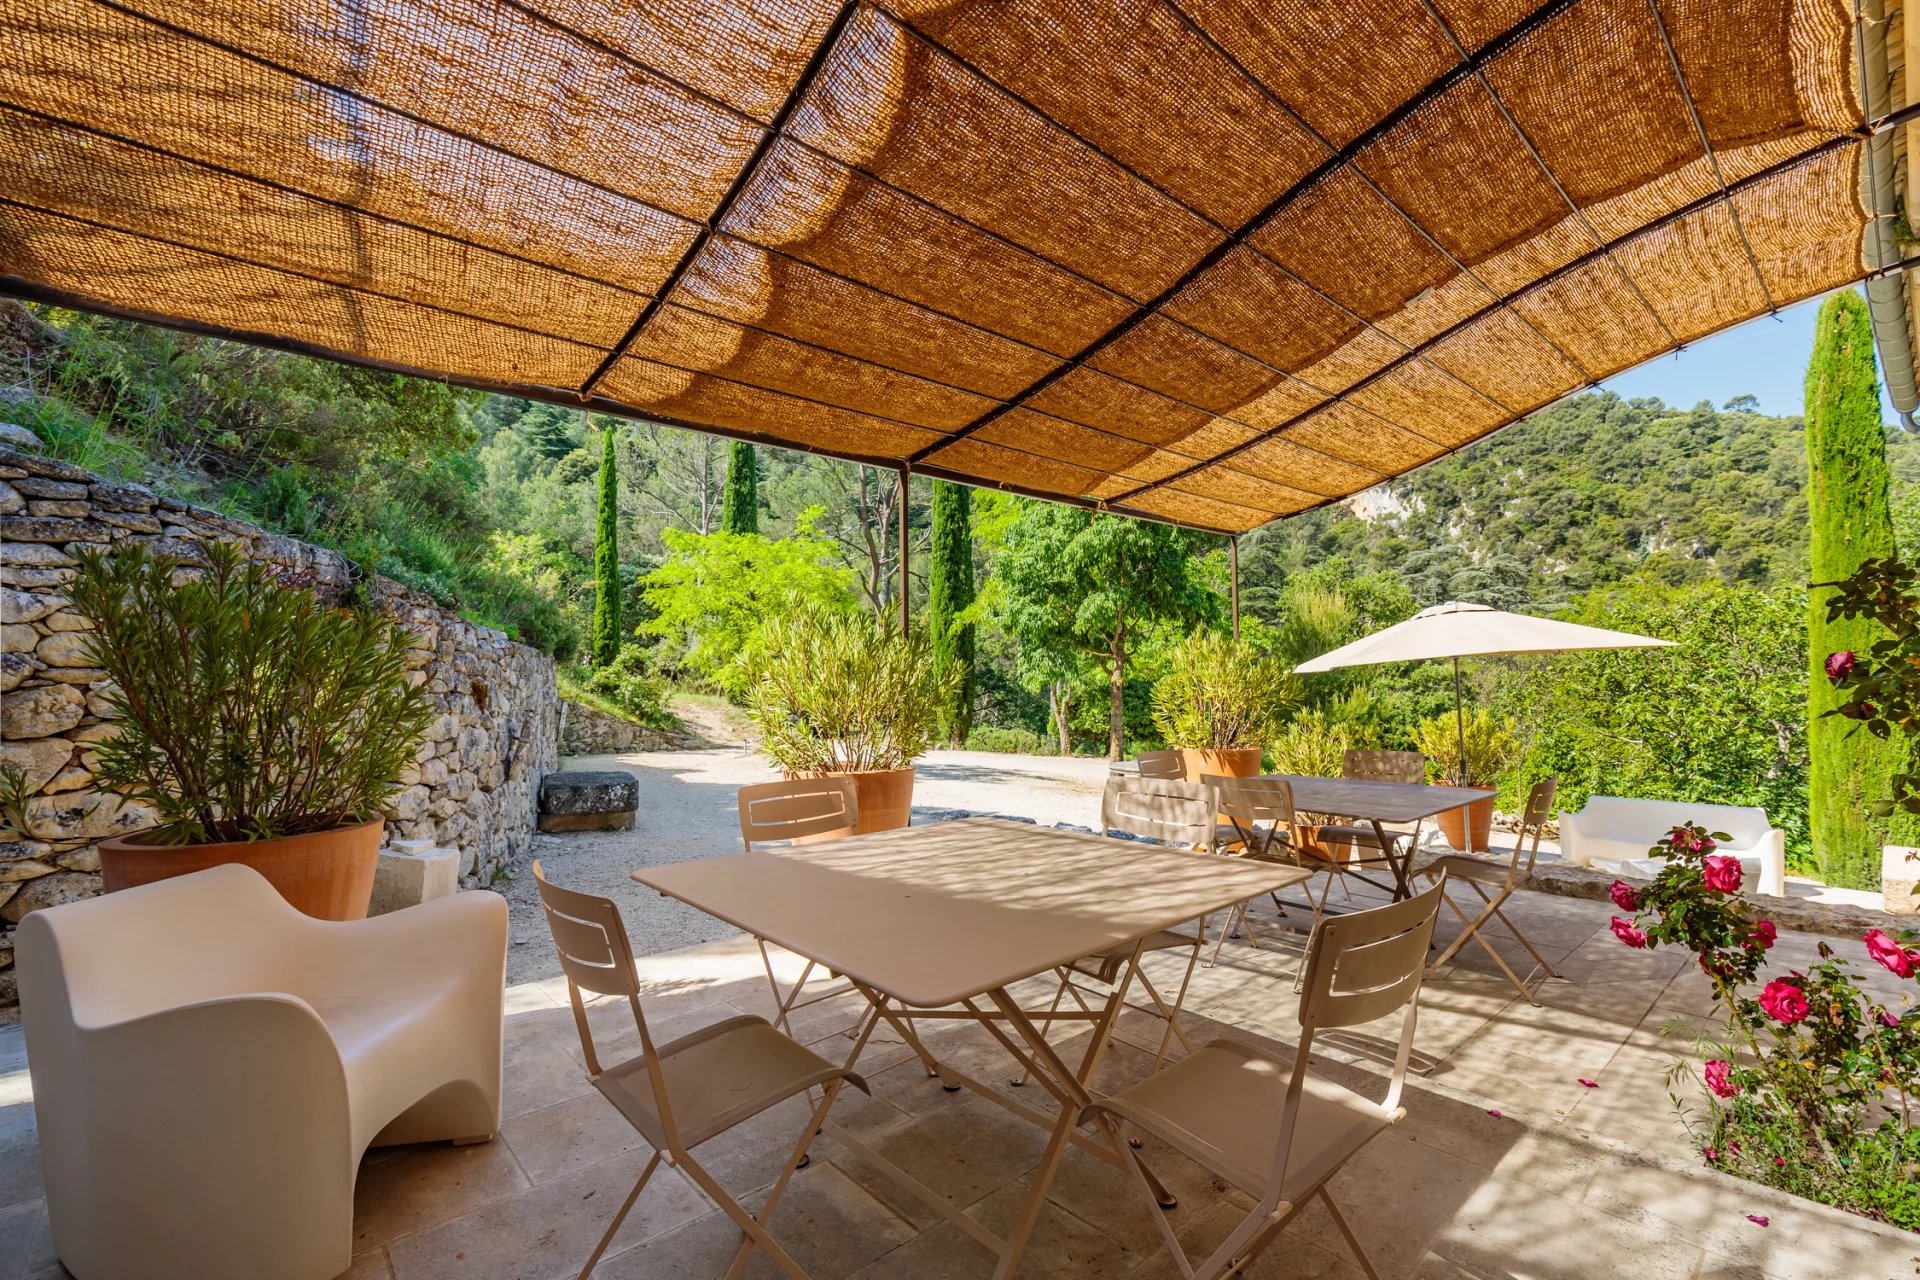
x,y
1766,358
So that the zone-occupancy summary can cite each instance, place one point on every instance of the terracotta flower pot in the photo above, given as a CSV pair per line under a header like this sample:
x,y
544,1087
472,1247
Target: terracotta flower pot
x,y
326,874
885,797
1232,762
1454,825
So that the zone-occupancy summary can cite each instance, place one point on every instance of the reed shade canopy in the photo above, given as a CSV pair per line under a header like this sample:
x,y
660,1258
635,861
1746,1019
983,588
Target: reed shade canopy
x,y
1200,260
1457,630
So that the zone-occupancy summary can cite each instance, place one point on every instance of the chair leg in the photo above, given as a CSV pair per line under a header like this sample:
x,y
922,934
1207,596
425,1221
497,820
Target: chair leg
x,y
1171,1014
1521,938
1474,930
1353,1242
620,1217
1460,941
755,1233
794,1163
1221,941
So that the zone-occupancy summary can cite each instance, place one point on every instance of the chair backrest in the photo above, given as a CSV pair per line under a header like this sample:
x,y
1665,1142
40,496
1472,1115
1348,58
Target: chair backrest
x,y
1161,764
1360,966
1383,766
1165,809
1260,809
798,809
596,955
1539,809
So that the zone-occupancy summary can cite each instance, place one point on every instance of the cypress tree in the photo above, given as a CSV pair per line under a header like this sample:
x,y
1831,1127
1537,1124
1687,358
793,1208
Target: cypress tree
x,y
951,591
606,561
1849,523
740,502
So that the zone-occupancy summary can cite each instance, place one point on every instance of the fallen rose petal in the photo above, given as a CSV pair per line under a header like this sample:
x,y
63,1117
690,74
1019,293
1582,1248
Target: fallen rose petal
x,y
1758,1219
1494,1112
1591,1084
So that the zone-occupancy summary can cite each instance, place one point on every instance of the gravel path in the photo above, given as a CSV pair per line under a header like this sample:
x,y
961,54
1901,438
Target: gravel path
x,y
687,811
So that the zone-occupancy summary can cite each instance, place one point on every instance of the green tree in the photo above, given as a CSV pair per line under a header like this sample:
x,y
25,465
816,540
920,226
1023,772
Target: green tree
x,y
1849,523
714,591
1080,587
740,504
606,561
950,592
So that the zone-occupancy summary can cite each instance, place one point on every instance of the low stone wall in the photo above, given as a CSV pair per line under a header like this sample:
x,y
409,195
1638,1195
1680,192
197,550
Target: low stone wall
x,y
589,731
474,787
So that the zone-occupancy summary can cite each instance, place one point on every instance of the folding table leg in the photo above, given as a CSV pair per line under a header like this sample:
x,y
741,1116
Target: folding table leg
x,y
1401,866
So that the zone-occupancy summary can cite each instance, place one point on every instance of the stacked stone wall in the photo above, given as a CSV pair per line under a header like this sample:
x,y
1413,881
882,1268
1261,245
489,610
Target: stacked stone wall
x,y
475,786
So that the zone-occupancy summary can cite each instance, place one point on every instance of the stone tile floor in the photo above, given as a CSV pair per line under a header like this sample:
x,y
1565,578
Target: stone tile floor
x,y
1564,1181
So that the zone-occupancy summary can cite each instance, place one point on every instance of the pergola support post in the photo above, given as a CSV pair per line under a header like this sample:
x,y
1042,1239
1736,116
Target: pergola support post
x,y
1233,574
906,478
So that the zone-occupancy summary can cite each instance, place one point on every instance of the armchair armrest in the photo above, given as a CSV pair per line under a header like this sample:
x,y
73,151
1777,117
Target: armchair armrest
x,y
235,1106
465,933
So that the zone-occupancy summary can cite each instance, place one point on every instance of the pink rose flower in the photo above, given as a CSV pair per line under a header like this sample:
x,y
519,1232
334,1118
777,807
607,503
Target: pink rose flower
x,y
1723,874
1710,1153
1895,958
1719,1077
1624,930
1624,895
1784,1001
1762,935
1840,665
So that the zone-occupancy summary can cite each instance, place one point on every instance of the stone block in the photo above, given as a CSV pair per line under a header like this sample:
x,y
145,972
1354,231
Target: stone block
x,y
589,800
42,487
11,503
42,712
26,606
18,637
15,667
86,815
60,510
410,875
35,554
65,649
55,529
50,891
40,759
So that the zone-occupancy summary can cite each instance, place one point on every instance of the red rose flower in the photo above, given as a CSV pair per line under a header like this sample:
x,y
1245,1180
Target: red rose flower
x,y
1624,895
1784,1001
1624,930
1840,665
1719,1077
1895,958
1762,935
1723,874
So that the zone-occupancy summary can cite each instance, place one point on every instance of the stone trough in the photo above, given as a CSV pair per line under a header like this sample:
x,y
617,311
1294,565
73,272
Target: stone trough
x,y
589,800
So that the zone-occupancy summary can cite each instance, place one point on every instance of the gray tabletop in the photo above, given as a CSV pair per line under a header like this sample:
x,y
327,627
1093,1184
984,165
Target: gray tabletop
x,y
1376,801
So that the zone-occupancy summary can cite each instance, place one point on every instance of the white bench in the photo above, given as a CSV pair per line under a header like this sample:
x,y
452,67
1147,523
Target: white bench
x,y
1614,834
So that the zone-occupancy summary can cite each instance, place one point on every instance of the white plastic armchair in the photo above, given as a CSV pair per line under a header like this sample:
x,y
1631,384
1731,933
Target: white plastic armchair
x,y
210,1064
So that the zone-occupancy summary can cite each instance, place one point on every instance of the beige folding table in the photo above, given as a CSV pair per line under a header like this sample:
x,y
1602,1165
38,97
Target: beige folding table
x,y
940,921
1379,803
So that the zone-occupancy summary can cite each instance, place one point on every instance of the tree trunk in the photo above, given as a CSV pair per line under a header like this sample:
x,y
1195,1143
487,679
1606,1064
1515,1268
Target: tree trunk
x,y
1058,696
1116,720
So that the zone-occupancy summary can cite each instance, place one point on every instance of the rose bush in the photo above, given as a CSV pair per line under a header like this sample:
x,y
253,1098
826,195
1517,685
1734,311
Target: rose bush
x,y
1809,1081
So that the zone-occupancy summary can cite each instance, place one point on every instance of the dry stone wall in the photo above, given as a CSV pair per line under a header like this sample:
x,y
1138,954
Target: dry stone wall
x,y
475,786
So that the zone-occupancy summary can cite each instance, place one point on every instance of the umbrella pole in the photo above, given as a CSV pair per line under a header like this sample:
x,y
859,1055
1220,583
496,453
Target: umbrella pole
x,y
1460,727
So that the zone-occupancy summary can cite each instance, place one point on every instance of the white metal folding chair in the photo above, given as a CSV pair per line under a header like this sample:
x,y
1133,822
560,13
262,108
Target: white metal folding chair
x,y
684,1093
1270,1128
1479,874
1172,812
1260,825
799,810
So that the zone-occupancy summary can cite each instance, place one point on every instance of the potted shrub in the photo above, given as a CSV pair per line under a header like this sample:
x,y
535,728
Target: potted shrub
x,y
1220,702
842,694
1490,752
265,726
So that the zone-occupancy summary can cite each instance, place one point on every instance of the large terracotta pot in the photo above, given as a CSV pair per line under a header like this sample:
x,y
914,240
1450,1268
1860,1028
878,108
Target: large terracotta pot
x,y
1478,819
327,874
1233,762
885,797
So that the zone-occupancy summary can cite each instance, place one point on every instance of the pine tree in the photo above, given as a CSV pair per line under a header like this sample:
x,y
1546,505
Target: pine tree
x,y
606,561
740,504
1849,523
950,592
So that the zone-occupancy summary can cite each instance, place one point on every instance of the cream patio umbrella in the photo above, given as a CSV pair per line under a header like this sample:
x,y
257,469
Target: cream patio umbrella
x,y
1456,630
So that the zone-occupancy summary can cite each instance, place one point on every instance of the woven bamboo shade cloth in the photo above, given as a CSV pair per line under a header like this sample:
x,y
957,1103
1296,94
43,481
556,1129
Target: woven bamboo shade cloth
x,y
1210,261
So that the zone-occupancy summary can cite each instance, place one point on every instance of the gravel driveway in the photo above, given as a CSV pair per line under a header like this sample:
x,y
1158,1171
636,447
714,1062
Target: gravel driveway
x,y
687,811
